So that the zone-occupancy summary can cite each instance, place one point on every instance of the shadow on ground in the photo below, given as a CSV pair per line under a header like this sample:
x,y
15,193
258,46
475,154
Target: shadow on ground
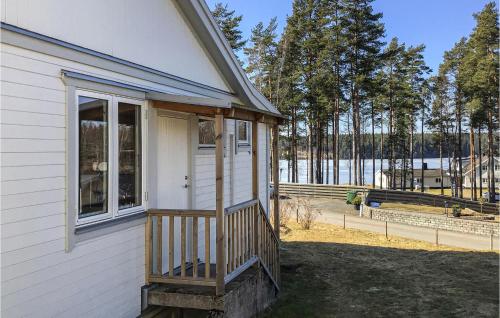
x,y
346,280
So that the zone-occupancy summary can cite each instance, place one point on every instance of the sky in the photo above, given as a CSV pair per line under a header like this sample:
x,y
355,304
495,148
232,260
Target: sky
x,y
438,24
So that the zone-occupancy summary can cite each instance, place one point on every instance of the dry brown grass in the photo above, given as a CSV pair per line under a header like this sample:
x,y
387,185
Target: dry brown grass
x,y
331,272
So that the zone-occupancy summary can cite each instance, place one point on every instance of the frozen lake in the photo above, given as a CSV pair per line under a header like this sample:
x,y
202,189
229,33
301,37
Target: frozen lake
x,y
344,169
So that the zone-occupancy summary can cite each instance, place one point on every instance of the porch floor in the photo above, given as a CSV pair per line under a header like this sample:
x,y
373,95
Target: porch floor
x,y
189,271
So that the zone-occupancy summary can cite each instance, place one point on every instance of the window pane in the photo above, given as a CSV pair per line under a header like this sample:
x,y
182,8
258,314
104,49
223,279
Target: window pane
x,y
129,155
206,132
93,156
242,131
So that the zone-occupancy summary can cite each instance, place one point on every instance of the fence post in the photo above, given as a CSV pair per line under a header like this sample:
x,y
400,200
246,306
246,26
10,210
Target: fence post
x,y
491,240
437,237
344,221
386,234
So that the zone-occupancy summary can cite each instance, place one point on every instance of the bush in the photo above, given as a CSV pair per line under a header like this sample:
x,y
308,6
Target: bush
x,y
308,213
357,200
286,209
457,210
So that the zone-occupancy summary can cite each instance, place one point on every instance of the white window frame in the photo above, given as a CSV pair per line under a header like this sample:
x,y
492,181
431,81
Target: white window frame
x,y
113,211
245,142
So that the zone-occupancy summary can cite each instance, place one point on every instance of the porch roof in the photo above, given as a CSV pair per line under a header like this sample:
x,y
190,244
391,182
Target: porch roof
x,y
202,105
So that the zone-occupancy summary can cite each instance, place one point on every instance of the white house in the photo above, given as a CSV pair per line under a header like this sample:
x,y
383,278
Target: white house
x,y
432,178
134,150
483,178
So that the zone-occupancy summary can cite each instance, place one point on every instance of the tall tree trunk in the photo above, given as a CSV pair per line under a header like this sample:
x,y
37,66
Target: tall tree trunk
x,y
337,143
422,149
289,156
327,154
373,146
392,164
480,151
350,149
441,161
473,195
459,152
311,155
491,158
412,171
381,151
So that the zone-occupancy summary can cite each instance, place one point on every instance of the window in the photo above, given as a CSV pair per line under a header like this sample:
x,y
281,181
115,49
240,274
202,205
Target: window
x,y
497,167
110,161
206,133
485,180
485,167
438,180
243,133
418,180
93,156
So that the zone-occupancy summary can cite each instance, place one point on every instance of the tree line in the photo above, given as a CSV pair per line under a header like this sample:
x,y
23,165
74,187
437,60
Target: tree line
x,y
347,92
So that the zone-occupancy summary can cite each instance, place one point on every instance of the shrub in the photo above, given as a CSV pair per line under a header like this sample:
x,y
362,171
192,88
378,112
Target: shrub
x,y
357,200
286,209
308,213
457,210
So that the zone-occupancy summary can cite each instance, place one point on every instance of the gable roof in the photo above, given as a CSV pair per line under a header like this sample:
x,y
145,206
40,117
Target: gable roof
x,y
199,16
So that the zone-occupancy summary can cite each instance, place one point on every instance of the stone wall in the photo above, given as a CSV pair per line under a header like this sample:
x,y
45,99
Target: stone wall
x,y
434,221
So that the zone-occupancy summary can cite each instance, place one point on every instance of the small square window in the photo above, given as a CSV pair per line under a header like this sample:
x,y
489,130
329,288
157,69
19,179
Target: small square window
x,y
243,133
206,133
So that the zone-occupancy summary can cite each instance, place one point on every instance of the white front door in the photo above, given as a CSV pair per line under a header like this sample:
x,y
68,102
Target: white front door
x,y
173,163
173,178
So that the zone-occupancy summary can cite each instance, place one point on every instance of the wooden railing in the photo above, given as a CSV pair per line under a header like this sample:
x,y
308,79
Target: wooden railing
x,y
269,253
240,238
249,239
183,268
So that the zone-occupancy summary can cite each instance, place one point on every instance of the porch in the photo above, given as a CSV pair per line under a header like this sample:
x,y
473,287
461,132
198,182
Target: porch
x,y
196,259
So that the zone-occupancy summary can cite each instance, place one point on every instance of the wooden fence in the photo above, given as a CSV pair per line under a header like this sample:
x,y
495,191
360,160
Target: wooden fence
x,y
381,195
318,190
420,198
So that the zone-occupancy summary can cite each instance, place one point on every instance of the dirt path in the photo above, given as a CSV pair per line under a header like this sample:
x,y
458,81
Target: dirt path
x,y
332,272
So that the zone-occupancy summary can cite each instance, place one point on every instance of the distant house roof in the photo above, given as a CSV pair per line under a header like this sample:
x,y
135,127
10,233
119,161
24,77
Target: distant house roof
x,y
467,167
428,173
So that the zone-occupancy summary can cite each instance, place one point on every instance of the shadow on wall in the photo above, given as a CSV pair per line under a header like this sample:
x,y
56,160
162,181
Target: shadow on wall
x,y
346,280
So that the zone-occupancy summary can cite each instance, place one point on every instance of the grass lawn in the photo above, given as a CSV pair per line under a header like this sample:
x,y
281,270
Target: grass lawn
x,y
414,208
331,272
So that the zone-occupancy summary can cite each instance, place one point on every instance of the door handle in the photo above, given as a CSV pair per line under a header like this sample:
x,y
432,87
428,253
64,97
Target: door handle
x,y
186,186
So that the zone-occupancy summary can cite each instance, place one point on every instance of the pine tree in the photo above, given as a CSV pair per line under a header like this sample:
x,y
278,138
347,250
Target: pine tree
x,y
262,58
480,69
229,24
364,32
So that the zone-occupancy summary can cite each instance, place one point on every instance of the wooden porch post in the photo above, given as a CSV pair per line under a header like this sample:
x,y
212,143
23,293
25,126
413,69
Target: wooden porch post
x,y
219,203
255,183
276,180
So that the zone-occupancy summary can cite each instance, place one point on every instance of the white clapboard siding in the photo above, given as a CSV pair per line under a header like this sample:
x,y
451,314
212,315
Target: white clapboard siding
x,y
32,225
31,212
74,267
40,63
33,145
32,172
159,37
35,266
31,159
15,117
31,132
28,91
32,105
31,185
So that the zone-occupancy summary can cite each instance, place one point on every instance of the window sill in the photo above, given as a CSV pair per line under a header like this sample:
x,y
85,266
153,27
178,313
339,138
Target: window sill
x,y
87,232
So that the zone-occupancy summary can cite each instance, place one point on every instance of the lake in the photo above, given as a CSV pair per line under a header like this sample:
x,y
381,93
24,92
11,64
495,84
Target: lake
x,y
344,169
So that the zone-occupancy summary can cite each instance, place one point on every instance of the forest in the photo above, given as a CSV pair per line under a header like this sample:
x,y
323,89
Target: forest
x,y
349,94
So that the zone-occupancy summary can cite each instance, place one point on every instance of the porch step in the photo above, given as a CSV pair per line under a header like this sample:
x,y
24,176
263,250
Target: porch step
x,y
185,296
245,296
